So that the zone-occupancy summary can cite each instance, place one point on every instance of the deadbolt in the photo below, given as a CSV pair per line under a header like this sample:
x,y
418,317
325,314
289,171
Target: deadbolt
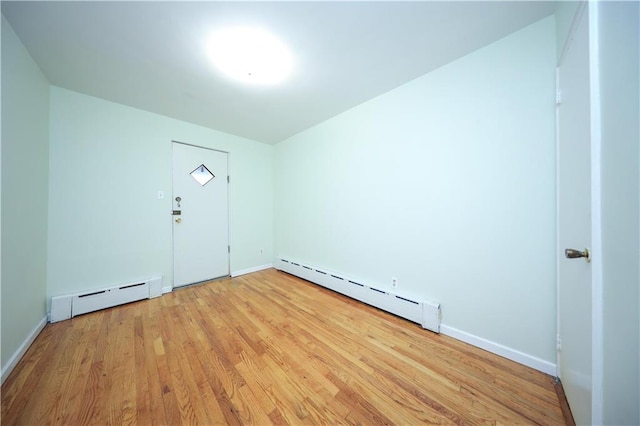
x,y
575,254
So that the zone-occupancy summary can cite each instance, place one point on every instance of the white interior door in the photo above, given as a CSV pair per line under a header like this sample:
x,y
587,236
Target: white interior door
x,y
574,223
200,215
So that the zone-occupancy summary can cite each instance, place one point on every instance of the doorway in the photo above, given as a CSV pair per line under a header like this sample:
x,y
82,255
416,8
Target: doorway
x,y
200,214
579,257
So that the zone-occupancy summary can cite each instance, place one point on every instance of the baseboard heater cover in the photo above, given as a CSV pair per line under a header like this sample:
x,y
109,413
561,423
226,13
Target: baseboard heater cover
x,y
71,305
424,312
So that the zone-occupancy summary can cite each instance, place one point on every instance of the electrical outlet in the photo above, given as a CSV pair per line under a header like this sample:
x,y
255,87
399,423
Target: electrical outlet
x,y
394,282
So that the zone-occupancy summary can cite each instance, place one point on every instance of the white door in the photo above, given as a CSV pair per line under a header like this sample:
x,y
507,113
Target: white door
x,y
574,223
200,215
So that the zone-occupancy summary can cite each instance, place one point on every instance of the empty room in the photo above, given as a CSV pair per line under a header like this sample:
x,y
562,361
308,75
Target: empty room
x,y
320,212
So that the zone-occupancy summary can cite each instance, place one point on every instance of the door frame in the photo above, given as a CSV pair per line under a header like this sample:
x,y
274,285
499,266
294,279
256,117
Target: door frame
x,y
597,362
173,141
597,308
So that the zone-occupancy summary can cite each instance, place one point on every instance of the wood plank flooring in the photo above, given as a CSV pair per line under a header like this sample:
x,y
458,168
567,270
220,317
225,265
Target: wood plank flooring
x,y
265,348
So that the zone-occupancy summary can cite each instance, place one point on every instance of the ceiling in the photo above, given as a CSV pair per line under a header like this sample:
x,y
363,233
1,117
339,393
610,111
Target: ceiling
x,y
151,54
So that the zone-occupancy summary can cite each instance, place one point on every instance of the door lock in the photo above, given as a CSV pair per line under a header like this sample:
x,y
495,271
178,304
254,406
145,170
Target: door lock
x,y
178,199
178,220
575,254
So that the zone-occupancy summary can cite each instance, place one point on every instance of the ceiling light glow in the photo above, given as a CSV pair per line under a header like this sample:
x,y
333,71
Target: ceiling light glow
x,y
250,55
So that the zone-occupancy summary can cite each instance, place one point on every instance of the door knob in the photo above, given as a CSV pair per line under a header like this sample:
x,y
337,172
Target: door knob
x,y
178,220
575,254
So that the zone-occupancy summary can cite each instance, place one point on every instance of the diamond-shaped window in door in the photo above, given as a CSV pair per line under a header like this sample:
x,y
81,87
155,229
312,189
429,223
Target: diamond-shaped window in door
x,y
202,175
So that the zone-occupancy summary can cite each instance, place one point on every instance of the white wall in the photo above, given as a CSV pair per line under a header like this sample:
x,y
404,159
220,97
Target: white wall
x,y
619,44
25,166
447,183
106,225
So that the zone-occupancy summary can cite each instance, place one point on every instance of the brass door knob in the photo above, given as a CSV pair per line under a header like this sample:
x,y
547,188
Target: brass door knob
x,y
178,220
575,254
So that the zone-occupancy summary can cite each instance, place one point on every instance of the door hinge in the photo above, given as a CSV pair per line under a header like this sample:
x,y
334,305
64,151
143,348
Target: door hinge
x,y
558,343
558,97
228,249
228,179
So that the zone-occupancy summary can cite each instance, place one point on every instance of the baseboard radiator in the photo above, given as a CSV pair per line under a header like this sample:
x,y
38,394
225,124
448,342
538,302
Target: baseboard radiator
x,y
424,312
71,305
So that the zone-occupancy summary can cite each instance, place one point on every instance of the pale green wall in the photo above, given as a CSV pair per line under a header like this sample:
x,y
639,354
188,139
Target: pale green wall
x,y
564,15
448,184
619,44
25,166
106,225
2,357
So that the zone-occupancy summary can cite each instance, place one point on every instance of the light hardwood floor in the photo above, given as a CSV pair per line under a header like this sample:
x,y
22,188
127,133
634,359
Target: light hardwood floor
x,y
265,348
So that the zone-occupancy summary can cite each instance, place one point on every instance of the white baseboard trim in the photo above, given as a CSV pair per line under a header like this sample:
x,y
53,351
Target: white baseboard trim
x,y
250,270
498,349
167,289
15,358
